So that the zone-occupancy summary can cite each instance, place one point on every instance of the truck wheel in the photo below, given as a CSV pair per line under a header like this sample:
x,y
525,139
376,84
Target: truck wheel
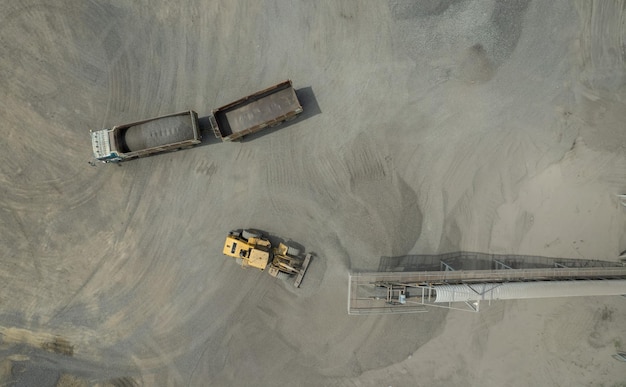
x,y
293,251
247,234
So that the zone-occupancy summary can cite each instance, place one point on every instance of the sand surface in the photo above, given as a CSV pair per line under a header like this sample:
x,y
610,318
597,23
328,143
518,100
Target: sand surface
x,y
428,127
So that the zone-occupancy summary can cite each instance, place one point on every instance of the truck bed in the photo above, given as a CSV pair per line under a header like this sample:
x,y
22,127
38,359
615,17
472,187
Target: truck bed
x,y
250,114
155,133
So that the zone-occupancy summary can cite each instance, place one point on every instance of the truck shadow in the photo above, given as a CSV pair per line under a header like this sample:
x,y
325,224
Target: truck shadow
x,y
208,138
309,103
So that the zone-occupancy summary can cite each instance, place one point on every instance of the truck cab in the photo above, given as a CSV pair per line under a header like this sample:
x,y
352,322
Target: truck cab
x,y
166,133
101,144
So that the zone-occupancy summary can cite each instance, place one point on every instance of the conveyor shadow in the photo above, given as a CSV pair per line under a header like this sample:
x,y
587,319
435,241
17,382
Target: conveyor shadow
x,y
465,260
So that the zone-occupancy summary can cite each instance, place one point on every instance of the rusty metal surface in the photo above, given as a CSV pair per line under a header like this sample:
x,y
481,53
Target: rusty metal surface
x,y
258,110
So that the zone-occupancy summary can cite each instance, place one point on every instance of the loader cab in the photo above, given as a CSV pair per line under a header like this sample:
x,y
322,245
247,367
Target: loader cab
x,y
235,248
254,252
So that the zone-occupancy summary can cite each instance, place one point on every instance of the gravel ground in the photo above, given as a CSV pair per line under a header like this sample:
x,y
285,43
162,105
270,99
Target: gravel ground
x,y
429,127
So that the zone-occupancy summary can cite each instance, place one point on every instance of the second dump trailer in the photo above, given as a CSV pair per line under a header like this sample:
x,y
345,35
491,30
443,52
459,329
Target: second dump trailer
x,y
265,108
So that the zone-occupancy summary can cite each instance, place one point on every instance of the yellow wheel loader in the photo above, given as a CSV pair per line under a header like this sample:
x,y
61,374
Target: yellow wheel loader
x,y
251,248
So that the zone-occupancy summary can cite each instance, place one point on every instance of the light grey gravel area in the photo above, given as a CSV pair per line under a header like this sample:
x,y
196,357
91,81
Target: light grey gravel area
x,y
428,127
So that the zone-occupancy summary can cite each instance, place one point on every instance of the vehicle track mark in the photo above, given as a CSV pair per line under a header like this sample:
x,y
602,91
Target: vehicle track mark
x,y
363,162
56,149
207,168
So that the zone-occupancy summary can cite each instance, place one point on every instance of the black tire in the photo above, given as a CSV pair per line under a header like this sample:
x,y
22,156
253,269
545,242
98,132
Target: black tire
x,y
247,234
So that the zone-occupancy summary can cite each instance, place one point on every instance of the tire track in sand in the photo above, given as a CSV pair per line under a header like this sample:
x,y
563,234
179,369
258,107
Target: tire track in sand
x,y
43,159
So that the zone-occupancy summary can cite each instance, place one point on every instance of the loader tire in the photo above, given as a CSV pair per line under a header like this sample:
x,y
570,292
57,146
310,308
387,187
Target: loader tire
x,y
293,251
247,234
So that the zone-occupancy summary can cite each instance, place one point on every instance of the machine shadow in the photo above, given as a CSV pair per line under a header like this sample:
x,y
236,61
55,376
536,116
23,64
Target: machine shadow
x,y
464,260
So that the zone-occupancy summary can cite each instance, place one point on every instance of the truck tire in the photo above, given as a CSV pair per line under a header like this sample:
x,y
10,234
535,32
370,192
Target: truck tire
x,y
293,251
247,234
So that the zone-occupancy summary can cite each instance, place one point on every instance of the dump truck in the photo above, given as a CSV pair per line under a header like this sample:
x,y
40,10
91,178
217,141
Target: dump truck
x,y
250,248
143,138
265,108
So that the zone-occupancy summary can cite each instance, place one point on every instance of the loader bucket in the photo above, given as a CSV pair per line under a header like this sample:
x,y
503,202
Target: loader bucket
x,y
300,276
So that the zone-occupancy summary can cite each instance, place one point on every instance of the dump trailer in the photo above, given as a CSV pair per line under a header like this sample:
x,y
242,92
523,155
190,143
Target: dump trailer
x,y
265,108
143,138
250,248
